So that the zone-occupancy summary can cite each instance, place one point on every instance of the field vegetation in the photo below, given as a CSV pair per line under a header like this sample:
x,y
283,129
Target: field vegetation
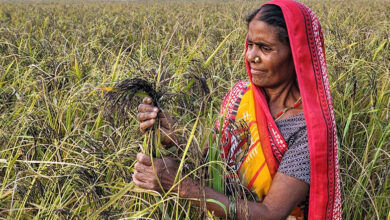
x,y
65,154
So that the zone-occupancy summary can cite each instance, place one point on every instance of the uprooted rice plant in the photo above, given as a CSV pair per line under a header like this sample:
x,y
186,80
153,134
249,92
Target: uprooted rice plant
x,y
63,156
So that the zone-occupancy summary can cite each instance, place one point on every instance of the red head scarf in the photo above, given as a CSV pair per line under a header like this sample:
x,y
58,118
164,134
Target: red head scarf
x,y
307,47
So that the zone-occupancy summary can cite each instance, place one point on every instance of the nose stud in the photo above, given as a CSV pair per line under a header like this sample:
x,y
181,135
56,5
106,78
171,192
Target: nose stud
x,y
257,59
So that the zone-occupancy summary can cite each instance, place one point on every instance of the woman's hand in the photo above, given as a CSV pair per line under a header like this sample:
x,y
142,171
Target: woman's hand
x,y
158,176
278,203
147,114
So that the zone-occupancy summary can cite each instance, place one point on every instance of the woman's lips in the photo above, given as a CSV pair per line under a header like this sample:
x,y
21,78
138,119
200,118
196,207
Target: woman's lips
x,y
257,71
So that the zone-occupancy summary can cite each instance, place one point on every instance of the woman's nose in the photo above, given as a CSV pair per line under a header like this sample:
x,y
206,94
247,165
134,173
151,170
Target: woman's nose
x,y
251,55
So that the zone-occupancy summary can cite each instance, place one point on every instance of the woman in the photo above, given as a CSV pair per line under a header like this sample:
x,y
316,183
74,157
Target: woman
x,y
288,156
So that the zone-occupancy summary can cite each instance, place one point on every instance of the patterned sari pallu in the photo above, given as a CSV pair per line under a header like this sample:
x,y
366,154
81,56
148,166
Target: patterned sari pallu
x,y
241,141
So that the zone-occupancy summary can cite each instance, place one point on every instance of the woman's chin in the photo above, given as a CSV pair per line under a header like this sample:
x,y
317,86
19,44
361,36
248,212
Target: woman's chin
x,y
258,82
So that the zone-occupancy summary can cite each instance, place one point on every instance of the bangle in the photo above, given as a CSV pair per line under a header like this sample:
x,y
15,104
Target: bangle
x,y
232,214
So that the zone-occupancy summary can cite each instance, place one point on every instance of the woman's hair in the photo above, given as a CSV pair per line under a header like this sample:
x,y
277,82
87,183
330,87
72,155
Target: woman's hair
x,y
272,15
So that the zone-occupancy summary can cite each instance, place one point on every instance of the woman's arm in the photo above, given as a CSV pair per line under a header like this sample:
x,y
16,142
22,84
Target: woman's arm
x,y
284,195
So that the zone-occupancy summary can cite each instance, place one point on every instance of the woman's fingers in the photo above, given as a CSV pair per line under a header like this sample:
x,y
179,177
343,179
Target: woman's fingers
x,y
145,176
147,108
140,180
141,167
147,181
146,116
157,177
147,100
146,125
139,183
144,159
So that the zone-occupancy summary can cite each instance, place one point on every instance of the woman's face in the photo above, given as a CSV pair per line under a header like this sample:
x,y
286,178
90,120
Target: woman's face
x,y
275,66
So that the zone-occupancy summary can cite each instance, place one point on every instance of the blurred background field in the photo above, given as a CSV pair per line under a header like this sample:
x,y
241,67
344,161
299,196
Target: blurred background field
x,y
62,156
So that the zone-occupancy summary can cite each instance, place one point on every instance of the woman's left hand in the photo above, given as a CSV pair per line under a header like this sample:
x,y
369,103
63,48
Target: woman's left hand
x,y
148,176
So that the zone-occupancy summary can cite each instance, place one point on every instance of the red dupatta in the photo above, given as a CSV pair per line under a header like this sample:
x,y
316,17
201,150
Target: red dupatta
x,y
308,51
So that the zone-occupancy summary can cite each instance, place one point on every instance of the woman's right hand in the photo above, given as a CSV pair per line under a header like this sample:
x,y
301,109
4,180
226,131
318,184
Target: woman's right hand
x,y
147,114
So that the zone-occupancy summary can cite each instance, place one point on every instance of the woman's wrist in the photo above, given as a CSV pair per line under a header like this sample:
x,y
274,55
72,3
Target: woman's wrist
x,y
189,188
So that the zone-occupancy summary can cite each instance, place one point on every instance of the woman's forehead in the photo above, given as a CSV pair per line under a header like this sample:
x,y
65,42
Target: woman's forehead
x,y
260,30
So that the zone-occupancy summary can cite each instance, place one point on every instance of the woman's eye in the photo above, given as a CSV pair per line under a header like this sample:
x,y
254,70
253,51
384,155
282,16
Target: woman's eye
x,y
267,49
